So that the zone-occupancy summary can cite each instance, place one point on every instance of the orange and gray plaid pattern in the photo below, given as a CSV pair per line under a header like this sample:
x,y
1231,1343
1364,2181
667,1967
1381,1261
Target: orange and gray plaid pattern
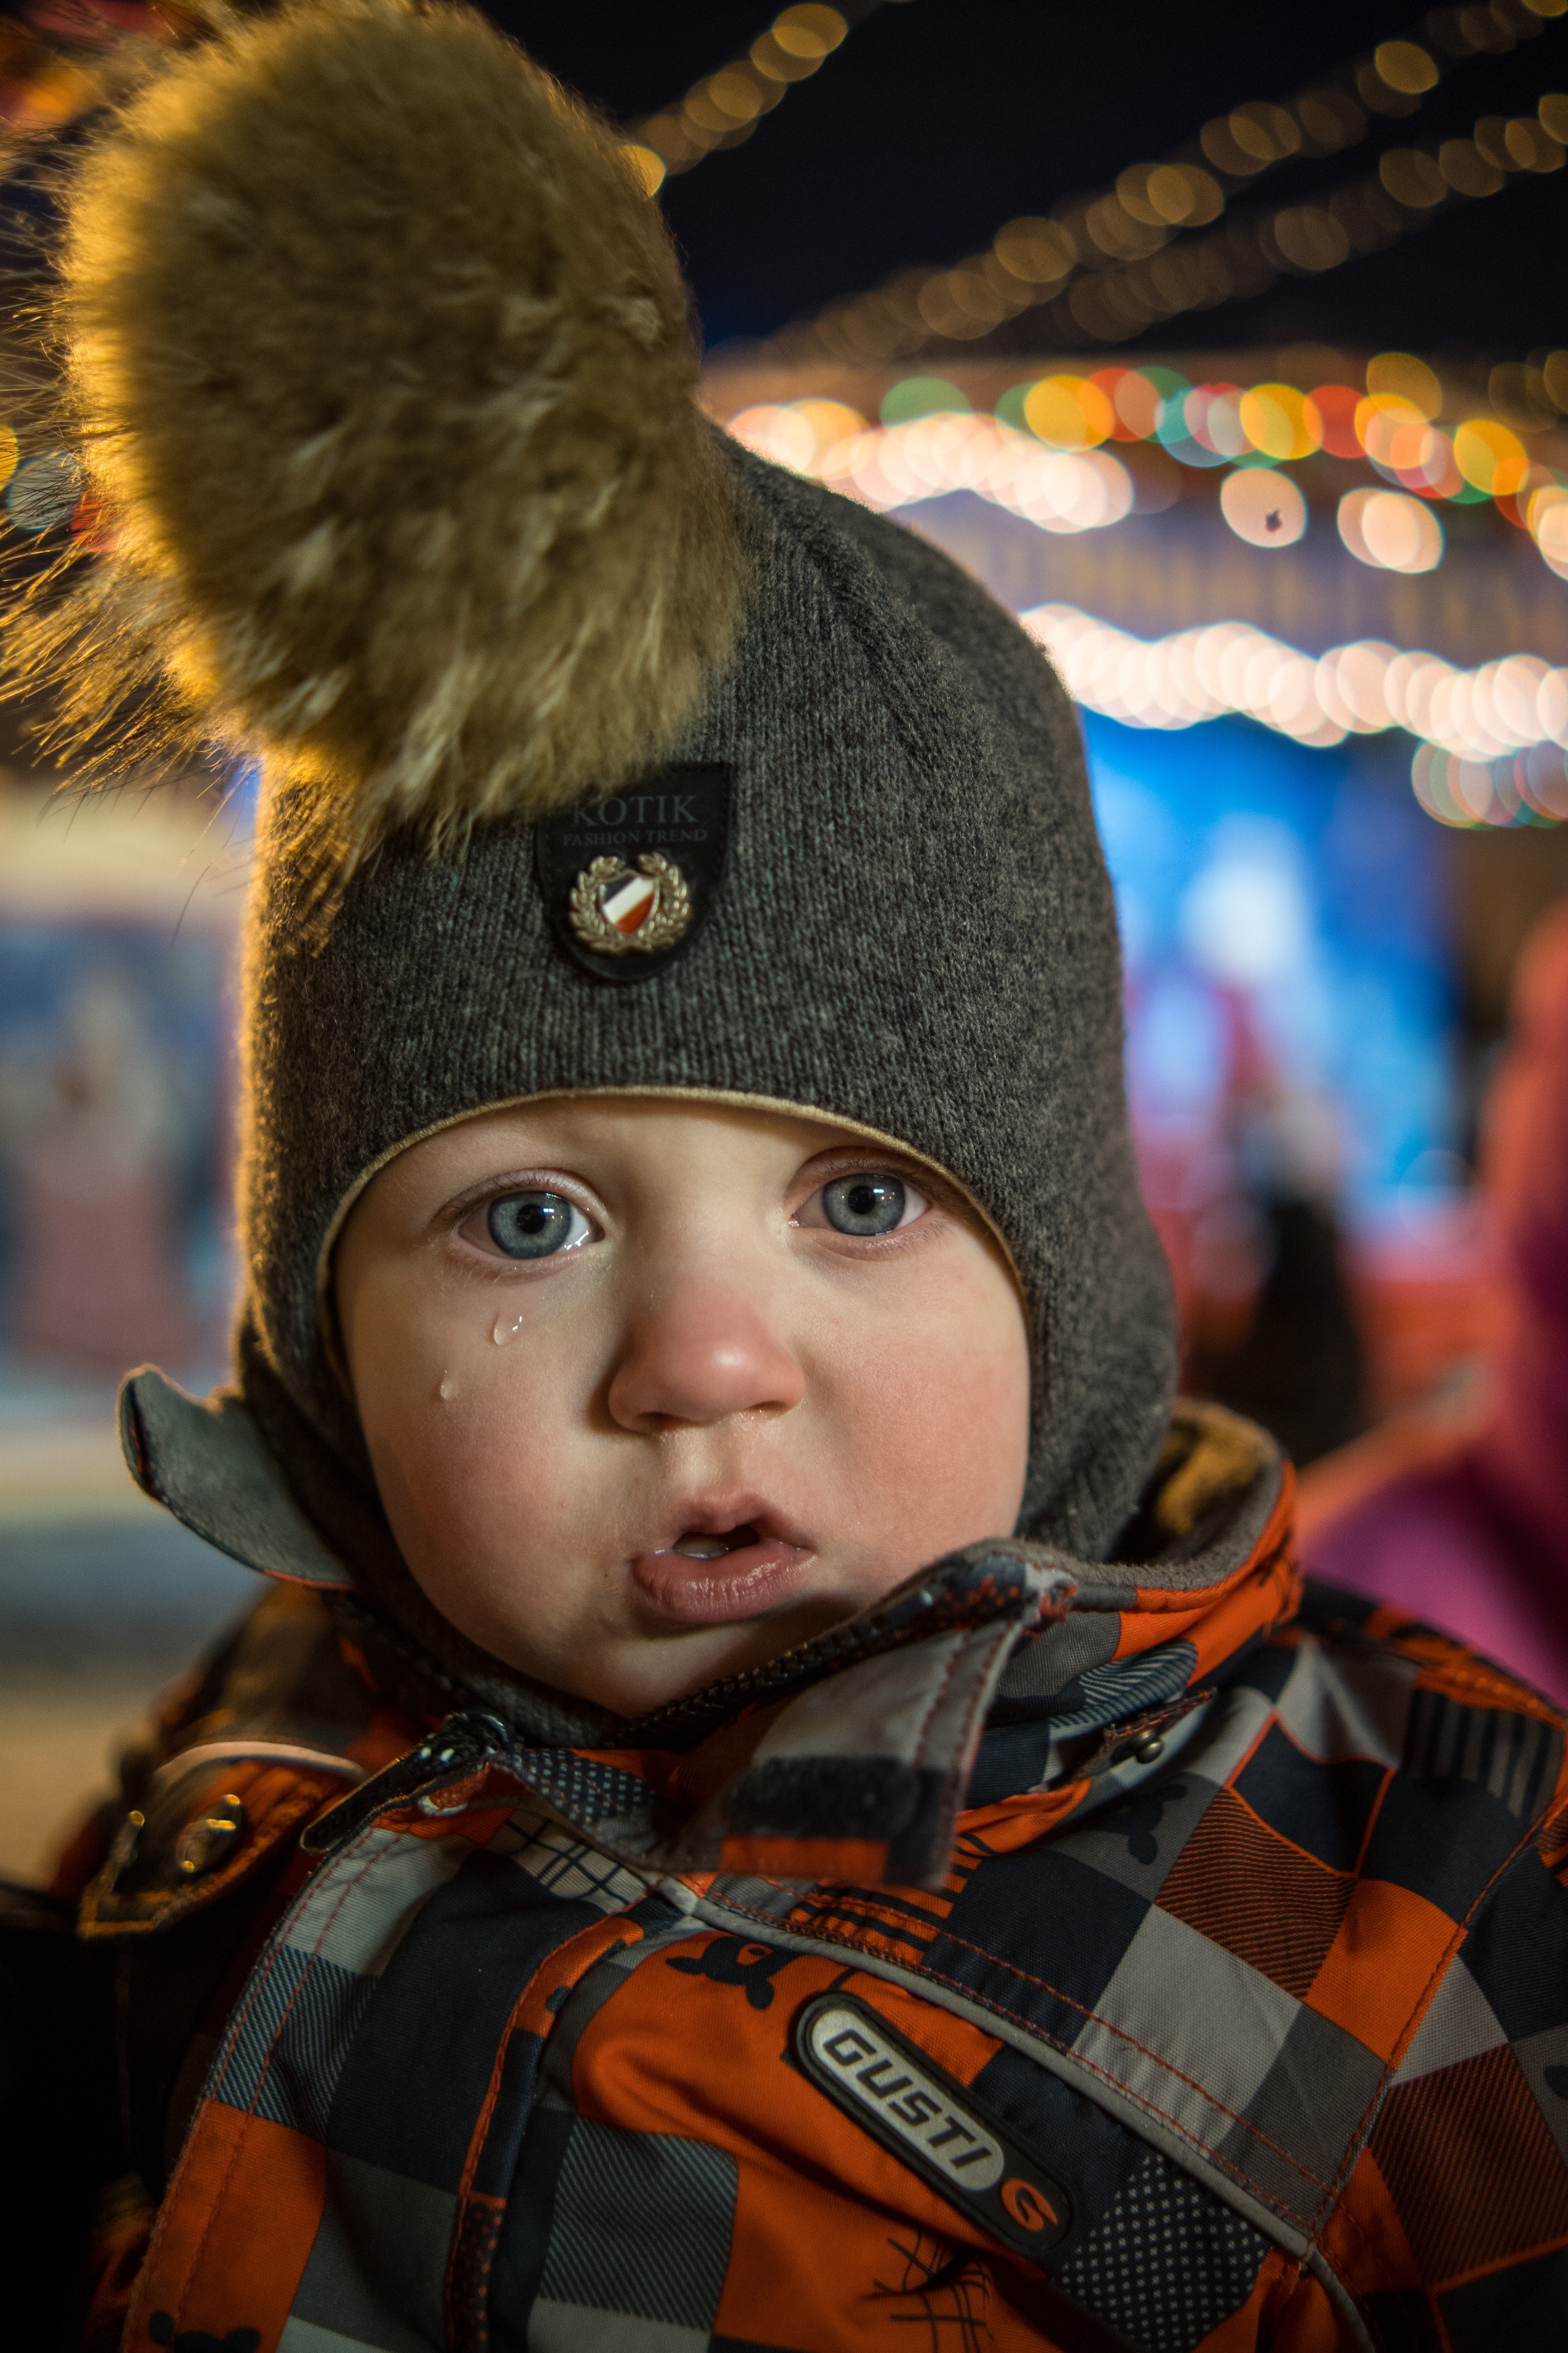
x,y
1283,2009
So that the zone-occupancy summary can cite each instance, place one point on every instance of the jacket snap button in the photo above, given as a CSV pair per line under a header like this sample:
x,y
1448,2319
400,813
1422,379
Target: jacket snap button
x,y
1150,1747
207,1842
127,1840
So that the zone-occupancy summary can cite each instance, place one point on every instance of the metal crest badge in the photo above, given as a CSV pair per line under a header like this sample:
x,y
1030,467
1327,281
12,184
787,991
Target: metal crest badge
x,y
618,912
628,881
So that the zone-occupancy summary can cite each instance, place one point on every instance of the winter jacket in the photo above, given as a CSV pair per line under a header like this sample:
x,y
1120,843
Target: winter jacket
x,y
1062,1954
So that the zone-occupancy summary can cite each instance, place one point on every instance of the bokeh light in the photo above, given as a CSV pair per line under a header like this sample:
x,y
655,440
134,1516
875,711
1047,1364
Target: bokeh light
x,y
1429,467
1068,412
1179,681
809,30
1311,238
921,395
940,450
1412,177
776,432
1244,918
1036,252
1170,195
1171,417
1400,376
43,491
1490,457
1406,449
1546,519
799,434
1280,421
1334,406
1263,507
1387,425
1405,67
93,526
831,421
648,167
1513,712
1390,530
1213,415
1137,401
1463,790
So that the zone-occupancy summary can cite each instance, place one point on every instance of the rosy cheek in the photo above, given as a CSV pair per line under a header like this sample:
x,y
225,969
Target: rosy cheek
x,y
468,1441
945,1450
940,1419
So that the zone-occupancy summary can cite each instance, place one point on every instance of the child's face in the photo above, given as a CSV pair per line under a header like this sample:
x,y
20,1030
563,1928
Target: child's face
x,y
656,1390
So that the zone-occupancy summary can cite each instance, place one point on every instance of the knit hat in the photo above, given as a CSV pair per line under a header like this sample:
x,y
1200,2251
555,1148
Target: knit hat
x,y
600,755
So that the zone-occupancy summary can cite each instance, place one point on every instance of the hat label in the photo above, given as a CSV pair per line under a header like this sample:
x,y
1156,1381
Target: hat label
x,y
669,808
627,882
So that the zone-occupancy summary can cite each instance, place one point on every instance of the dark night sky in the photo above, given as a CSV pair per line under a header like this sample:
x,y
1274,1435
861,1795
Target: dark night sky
x,y
940,118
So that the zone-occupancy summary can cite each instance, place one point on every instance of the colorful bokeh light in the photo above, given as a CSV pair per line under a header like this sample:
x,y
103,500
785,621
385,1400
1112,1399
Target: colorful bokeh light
x,y
1280,421
921,395
1216,424
1490,457
1335,405
1068,412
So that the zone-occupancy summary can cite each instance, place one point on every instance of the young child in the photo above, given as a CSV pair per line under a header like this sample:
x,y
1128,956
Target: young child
x,y
779,1795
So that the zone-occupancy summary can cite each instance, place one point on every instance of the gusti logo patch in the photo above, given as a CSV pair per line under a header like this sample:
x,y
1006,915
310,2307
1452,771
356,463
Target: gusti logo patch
x,y
935,2124
628,881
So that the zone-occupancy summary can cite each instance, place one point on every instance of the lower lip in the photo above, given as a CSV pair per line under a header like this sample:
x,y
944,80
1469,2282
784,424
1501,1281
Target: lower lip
x,y
743,1584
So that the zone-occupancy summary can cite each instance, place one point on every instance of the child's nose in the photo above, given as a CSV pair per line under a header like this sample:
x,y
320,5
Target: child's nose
x,y
699,1357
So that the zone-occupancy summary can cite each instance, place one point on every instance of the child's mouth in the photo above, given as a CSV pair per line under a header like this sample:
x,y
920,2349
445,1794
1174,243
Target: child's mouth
x,y
707,1576
696,1545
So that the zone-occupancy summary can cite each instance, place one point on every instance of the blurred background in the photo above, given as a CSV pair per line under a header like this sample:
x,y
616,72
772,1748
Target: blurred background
x,y
1229,348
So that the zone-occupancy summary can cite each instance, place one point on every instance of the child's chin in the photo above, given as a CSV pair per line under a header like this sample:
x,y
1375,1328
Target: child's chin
x,y
634,1678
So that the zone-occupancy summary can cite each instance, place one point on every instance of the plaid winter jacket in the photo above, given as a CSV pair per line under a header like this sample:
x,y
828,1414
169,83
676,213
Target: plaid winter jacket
x,y
1061,1954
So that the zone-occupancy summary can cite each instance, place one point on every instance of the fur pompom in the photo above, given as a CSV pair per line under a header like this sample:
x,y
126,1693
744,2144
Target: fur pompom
x,y
380,361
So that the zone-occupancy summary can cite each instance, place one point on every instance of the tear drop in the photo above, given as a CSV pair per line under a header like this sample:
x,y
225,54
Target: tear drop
x,y
507,1327
447,1387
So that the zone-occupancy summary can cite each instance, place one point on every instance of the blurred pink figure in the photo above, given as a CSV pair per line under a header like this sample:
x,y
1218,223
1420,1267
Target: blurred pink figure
x,y
98,1278
1464,1520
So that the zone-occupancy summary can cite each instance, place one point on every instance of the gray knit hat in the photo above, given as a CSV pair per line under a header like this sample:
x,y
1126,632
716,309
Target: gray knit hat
x,y
794,813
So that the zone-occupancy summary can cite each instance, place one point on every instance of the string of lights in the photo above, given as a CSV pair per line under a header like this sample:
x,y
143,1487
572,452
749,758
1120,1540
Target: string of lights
x,y
54,61
1411,188
1049,455
1491,741
724,108
1121,235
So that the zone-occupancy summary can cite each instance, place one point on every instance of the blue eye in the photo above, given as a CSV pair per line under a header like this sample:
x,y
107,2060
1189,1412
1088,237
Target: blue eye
x,y
864,1205
535,1225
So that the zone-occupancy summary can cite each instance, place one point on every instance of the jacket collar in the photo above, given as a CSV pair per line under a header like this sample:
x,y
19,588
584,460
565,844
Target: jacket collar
x,y
851,1757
